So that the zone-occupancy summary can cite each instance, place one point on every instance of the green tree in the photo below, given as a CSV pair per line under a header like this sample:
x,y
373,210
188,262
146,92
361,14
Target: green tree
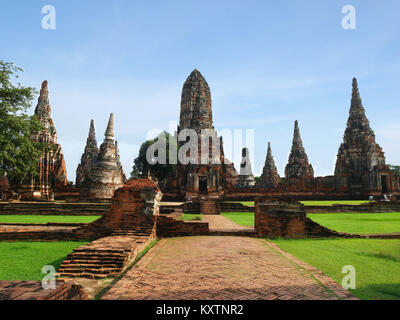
x,y
395,168
19,155
142,167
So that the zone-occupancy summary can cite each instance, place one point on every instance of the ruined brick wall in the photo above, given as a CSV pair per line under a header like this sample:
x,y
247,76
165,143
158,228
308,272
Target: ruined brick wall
x,y
286,218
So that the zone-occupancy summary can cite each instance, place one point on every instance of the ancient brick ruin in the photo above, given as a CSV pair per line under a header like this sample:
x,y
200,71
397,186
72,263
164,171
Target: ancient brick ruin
x,y
269,177
298,165
287,218
210,175
360,164
52,171
105,174
89,156
360,170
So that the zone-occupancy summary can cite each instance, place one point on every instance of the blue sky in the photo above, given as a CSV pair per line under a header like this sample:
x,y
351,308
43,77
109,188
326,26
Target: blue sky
x,y
268,63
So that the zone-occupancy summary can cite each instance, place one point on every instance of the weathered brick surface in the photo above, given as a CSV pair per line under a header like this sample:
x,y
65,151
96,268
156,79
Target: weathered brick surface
x,y
202,268
32,290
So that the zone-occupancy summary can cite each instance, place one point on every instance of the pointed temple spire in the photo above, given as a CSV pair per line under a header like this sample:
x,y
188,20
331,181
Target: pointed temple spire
x,y
246,178
269,177
359,154
52,169
43,109
92,131
106,175
109,134
298,165
196,106
89,156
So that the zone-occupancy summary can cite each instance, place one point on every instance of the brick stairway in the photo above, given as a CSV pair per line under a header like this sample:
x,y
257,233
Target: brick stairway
x,y
209,207
108,256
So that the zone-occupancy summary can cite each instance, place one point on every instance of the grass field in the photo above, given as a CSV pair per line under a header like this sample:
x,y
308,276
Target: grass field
x,y
315,203
376,262
24,260
190,217
360,223
46,219
241,218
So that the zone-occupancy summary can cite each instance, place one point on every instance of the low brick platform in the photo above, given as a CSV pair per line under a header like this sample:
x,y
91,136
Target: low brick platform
x,y
54,208
108,256
206,267
32,290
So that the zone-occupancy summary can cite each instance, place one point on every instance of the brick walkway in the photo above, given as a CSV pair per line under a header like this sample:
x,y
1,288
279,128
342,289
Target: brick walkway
x,y
218,222
207,267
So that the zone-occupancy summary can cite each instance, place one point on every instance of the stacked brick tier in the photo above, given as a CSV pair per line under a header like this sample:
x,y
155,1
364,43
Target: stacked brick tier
x,y
106,257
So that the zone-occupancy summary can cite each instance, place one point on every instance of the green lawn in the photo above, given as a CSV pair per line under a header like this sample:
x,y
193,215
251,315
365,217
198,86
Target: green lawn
x,y
190,217
360,223
46,219
376,262
313,203
24,260
329,203
241,218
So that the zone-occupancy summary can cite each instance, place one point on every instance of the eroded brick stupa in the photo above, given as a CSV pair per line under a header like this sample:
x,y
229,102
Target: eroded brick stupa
x,y
298,165
89,156
213,174
269,177
106,175
52,171
361,164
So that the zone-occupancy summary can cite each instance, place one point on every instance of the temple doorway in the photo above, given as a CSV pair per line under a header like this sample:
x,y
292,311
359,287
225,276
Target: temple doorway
x,y
384,184
203,185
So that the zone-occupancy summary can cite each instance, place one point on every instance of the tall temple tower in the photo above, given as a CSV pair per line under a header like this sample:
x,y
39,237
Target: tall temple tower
x,y
52,170
298,165
360,164
212,172
106,176
196,112
269,177
89,156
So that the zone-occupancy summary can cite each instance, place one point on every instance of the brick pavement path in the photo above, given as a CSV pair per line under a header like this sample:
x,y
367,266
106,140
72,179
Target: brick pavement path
x,y
212,267
218,222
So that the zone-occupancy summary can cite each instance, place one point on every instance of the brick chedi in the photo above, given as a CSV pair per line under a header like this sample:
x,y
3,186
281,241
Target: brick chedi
x,y
211,172
106,176
269,177
52,169
360,163
89,157
298,165
246,178
196,110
